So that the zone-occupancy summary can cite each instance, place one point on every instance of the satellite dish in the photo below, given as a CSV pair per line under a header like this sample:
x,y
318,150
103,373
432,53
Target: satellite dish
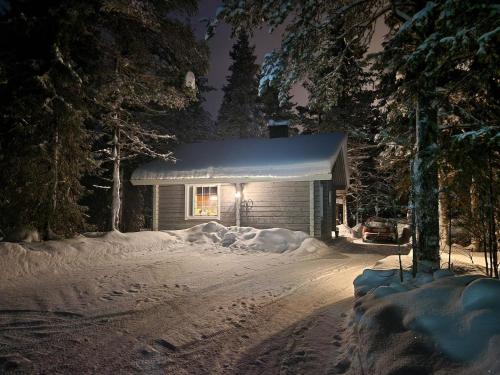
x,y
190,80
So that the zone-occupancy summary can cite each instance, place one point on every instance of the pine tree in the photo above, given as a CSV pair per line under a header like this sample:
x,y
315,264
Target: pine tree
x,y
71,66
274,109
191,123
349,108
440,66
43,138
145,56
239,112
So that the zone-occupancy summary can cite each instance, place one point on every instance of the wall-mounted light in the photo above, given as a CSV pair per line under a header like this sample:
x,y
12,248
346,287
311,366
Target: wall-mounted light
x,y
190,80
237,195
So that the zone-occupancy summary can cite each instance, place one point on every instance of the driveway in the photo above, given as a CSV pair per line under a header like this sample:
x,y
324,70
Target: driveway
x,y
195,310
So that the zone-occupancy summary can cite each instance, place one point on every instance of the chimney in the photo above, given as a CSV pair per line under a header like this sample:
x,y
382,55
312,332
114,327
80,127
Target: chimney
x,y
278,129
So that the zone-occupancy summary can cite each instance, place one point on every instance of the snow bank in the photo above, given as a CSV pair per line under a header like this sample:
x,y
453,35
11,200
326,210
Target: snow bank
x,y
462,260
434,322
94,249
344,231
356,231
274,240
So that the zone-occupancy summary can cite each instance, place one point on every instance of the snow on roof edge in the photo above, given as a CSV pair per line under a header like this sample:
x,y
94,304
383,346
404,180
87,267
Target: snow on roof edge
x,y
303,157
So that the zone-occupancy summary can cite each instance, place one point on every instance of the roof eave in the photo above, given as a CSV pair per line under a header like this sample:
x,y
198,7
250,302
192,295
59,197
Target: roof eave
x,y
231,180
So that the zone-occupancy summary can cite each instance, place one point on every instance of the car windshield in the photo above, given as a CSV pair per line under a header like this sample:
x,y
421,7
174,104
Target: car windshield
x,y
377,224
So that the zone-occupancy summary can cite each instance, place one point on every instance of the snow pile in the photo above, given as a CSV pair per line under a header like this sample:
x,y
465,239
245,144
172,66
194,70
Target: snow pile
x,y
344,231
356,231
428,323
88,250
274,240
462,260
95,249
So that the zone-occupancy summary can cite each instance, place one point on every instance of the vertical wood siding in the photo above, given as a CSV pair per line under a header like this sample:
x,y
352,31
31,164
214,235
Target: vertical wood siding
x,y
338,172
276,204
264,205
317,211
323,220
171,207
155,207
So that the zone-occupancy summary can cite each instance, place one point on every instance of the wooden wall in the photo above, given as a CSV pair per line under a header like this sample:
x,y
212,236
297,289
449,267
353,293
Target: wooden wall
x,y
171,206
264,205
323,194
276,204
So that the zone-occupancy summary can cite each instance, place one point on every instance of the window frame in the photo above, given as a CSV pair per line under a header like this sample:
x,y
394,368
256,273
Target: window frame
x,y
189,215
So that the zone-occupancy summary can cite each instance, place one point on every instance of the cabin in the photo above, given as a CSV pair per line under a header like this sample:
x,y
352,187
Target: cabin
x,y
298,183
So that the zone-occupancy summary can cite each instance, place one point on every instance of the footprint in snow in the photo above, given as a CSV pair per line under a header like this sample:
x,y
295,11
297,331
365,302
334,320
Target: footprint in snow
x,y
163,343
148,351
343,365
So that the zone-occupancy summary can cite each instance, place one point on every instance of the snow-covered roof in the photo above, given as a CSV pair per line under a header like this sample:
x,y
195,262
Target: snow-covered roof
x,y
278,123
299,158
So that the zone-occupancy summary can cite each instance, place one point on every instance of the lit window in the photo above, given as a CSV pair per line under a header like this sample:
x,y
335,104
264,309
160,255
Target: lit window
x,y
202,201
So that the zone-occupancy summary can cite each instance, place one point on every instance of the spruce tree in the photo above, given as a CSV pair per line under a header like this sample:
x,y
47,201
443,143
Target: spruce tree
x,y
75,73
144,58
44,143
189,124
273,109
239,111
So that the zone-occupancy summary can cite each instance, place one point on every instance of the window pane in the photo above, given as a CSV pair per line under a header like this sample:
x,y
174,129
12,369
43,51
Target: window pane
x,y
205,201
190,201
198,210
213,200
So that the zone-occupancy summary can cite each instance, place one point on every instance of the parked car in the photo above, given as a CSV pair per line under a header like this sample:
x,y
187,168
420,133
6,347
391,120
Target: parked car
x,y
378,229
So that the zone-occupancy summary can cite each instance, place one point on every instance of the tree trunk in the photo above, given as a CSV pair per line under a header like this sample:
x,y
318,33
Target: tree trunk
x,y
414,268
115,205
493,245
425,186
475,217
49,234
443,208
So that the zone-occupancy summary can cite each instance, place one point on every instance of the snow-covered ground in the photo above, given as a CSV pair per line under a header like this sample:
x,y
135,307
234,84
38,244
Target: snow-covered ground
x,y
435,323
204,300
217,300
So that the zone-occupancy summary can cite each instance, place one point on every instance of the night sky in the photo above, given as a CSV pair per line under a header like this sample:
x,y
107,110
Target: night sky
x,y
221,44
264,42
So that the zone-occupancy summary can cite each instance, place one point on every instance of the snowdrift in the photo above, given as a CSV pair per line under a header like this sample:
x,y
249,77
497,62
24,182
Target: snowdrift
x,y
274,240
88,250
94,249
427,324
